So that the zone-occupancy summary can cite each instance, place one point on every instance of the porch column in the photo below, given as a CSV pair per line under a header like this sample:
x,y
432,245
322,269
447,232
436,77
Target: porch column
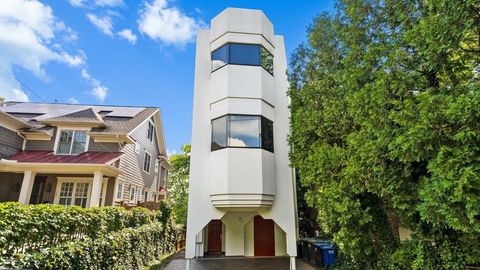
x,y
27,184
96,189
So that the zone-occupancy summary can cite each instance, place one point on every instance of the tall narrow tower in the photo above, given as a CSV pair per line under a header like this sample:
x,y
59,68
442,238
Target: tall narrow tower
x,y
242,189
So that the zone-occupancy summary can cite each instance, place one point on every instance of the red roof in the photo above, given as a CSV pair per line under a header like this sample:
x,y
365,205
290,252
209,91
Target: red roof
x,y
49,157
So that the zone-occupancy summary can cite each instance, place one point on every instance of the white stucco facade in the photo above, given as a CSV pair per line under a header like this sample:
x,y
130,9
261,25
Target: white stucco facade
x,y
235,184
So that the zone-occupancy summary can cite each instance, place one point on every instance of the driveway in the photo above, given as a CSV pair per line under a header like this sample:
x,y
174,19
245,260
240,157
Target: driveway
x,y
281,263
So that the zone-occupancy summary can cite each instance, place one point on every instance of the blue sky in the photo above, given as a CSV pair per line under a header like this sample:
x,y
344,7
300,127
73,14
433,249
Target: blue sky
x,y
122,52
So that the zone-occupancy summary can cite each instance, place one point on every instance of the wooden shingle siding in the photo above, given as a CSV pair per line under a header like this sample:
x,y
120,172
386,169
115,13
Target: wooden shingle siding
x,y
10,143
41,145
103,147
131,163
10,138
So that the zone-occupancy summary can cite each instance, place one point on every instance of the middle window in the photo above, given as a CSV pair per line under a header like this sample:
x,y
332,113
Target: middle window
x,y
242,131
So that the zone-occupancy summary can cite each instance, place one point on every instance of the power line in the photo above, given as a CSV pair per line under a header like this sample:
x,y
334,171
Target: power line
x,y
23,84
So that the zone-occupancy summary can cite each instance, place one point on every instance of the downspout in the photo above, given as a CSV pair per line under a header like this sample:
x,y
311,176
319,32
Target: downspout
x,y
24,144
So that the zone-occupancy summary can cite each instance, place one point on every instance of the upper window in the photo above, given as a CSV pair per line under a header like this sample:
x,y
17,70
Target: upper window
x,y
150,131
242,54
72,142
244,131
146,162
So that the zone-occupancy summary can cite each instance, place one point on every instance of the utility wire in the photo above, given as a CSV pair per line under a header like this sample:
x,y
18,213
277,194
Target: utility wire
x,y
23,84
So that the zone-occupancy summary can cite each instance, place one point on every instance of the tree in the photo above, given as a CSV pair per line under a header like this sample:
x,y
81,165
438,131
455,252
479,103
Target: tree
x,y
178,184
385,130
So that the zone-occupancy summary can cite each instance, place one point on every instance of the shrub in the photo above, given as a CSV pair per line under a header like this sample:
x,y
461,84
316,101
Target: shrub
x,y
26,228
59,237
130,248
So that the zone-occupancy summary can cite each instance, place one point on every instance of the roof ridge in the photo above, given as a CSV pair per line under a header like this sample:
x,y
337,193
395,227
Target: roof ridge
x,y
80,104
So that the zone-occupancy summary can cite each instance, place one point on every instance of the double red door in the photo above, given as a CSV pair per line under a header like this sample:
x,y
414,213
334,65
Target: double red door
x,y
264,237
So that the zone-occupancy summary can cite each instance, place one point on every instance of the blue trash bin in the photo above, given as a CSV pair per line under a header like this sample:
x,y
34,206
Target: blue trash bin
x,y
329,255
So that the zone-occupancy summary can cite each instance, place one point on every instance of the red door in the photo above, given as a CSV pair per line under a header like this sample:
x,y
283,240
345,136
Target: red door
x,y
263,237
215,236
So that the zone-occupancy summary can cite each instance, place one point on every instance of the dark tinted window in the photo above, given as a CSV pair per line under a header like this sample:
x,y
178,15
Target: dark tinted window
x,y
249,131
267,134
219,57
244,131
219,133
267,60
242,54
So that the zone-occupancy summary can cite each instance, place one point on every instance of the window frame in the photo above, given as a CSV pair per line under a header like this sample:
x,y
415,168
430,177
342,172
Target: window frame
x,y
134,193
151,134
149,162
57,140
75,181
119,191
227,133
228,57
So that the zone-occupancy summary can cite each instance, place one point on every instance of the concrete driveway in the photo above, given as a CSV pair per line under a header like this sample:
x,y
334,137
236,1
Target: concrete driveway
x,y
178,263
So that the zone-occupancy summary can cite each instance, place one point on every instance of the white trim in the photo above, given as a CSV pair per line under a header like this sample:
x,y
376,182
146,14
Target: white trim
x,y
149,164
57,138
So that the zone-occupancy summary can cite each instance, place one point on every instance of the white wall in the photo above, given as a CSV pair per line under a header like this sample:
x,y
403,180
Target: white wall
x,y
247,170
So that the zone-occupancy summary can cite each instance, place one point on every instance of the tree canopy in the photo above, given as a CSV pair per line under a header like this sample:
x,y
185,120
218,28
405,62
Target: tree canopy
x,y
386,130
178,184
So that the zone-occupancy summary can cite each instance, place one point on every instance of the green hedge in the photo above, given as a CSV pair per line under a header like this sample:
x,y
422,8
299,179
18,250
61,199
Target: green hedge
x,y
59,237
27,228
130,248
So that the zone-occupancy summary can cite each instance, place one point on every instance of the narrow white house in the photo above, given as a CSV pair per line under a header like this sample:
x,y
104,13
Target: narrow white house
x,y
242,189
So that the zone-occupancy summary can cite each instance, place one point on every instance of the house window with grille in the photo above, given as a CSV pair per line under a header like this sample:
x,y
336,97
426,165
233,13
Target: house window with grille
x,y
150,131
146,162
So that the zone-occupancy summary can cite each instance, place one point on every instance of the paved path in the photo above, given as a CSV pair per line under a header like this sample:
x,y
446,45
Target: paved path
x,y
178,263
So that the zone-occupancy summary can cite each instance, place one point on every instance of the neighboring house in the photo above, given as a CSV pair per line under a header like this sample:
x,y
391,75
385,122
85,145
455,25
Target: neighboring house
x,y
242,188
83,155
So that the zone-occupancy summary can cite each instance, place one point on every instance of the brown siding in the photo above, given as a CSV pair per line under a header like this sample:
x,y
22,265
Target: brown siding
x,y
10,138
41,145
10,143
131,163
102,147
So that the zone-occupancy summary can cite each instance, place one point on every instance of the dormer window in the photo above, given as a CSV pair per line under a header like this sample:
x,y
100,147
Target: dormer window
x,y
150,131
71,142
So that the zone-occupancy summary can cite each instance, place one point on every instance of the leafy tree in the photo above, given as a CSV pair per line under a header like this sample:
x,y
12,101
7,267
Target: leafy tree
x,y
178,184
385,119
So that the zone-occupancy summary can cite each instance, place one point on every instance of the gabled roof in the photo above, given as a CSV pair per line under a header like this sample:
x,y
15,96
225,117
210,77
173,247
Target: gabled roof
x,y
105,120
83,116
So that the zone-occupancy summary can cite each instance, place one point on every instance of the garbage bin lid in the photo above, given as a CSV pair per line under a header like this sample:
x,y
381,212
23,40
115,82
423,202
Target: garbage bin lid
x,y
328,246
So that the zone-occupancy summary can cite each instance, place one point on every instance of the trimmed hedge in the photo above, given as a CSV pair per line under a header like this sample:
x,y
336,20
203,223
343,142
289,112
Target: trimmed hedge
x,y
59,237
27,228
130,248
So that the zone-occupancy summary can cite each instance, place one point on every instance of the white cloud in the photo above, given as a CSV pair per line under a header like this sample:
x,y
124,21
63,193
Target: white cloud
x,y
29,44
73,101
167,23
110,3
103,24
128,35
99,91
101,3
77,3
